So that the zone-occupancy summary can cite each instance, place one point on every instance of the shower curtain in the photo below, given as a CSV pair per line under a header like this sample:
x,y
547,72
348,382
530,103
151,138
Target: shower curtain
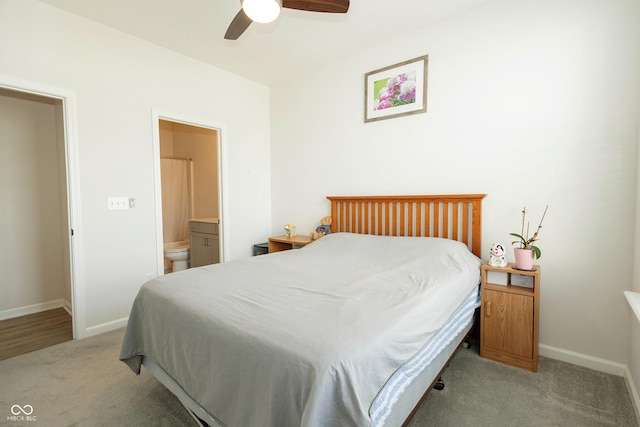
x,y
175,176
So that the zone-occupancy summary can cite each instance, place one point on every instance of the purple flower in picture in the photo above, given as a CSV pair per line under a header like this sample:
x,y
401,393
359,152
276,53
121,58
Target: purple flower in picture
x,y
399,90
384,104
408,91
385,94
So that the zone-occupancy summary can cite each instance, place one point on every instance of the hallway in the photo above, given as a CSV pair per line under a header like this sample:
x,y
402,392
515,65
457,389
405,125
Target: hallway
x,y
33,332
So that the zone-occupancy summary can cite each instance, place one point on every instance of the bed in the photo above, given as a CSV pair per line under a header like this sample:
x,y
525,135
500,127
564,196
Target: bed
x,y
353,329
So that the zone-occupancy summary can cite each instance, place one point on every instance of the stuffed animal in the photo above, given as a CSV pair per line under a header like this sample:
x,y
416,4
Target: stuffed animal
x,y
497,258
290,230
323,228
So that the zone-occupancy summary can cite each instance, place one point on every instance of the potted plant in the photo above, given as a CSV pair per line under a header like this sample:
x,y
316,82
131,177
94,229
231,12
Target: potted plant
x,y
526,251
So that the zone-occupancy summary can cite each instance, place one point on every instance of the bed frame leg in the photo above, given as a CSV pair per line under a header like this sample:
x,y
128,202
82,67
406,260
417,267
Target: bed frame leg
x,y
439,384
466,344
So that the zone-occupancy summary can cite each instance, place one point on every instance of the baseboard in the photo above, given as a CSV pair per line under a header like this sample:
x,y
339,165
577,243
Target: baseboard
x,y
105,327
633,392
32,309
581,359
67,306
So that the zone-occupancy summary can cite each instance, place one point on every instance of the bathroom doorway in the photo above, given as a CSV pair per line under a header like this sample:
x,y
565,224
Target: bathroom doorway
x,y
190,185
38,191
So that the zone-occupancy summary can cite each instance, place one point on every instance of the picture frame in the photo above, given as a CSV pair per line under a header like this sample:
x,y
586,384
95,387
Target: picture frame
x,y
397,90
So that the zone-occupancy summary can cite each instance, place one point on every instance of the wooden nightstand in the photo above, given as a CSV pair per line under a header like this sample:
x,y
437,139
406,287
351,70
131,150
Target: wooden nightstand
x,y
284,242
509,316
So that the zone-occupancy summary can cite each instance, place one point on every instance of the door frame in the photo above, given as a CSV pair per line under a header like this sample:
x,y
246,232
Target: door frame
x,y
157,115
74,223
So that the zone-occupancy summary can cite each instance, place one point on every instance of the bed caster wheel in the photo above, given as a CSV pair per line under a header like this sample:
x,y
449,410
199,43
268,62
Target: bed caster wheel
x,y
439,384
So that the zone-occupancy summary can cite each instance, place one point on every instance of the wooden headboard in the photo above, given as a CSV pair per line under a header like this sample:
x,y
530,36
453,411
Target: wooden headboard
x,y
451,216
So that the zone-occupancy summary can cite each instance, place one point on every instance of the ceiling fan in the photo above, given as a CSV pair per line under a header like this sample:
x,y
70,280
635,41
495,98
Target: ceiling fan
x,y
264,11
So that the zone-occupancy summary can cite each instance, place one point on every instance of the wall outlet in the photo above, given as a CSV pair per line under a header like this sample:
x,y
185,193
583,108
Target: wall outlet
x,y
117,203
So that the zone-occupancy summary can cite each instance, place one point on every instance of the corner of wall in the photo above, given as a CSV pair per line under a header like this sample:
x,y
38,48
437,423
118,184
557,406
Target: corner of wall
x,y
633,392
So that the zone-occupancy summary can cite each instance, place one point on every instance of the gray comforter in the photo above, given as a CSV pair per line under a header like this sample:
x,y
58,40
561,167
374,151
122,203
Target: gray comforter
x,y
299,338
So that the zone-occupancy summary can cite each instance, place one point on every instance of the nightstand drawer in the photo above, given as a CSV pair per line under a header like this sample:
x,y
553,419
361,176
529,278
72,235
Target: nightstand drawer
x,y
284,243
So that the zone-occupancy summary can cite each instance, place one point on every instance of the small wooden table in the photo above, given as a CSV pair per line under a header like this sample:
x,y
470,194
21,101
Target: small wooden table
x,y
284,242
510,316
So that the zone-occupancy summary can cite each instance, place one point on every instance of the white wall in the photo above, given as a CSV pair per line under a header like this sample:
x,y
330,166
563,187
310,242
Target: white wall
x,y
533,103
634,330
31,253
117,81
201,145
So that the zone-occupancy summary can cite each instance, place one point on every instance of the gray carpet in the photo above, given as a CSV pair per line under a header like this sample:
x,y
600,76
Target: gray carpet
x,y
82,383
481,392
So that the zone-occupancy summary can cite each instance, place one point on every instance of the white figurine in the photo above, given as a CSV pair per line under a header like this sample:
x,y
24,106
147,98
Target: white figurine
x,y
497,258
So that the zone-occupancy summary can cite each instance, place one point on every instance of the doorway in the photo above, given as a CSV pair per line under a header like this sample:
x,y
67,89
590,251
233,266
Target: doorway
x,y
36,257
188,185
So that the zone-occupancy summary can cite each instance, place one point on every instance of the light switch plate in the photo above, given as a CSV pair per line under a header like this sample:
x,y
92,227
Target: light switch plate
x,y
117,203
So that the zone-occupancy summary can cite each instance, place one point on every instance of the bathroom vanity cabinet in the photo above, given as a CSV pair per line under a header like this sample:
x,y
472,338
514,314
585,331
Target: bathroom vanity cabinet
x,y
205,241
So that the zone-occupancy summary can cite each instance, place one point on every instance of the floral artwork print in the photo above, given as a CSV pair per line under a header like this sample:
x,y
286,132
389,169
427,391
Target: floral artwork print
x,y
395,91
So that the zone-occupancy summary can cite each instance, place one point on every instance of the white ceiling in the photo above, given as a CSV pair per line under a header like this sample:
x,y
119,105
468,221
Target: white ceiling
x,y
268,53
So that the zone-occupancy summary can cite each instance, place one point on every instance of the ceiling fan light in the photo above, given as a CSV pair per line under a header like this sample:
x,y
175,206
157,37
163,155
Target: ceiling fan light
x,y
261,11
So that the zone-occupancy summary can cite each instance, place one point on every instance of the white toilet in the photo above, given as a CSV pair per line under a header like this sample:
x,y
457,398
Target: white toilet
x,y
178,252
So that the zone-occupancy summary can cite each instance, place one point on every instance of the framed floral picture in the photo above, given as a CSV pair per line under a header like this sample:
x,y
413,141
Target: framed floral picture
x,y
396,90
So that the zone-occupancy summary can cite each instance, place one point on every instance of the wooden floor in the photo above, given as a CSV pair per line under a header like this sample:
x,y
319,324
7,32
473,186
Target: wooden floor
x,y
24,334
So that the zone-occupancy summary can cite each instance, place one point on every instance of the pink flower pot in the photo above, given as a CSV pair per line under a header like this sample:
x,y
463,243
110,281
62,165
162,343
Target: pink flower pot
x,y
524,258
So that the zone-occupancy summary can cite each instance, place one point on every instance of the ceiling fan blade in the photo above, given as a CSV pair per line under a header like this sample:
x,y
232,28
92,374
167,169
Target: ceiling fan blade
x,y
329,6
239,24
